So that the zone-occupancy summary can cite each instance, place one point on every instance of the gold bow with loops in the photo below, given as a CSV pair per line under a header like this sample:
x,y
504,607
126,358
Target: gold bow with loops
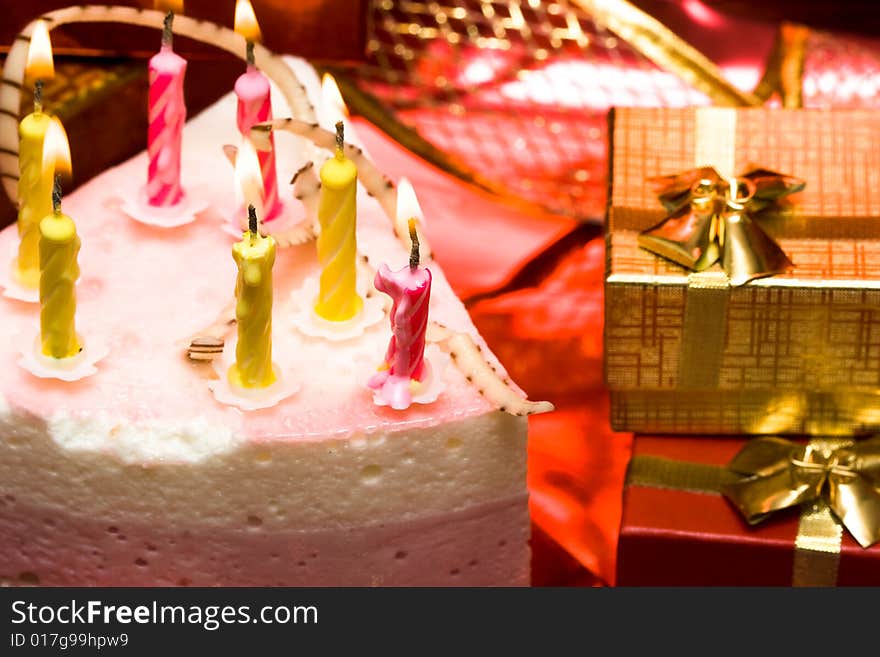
x,y
779,474
710,220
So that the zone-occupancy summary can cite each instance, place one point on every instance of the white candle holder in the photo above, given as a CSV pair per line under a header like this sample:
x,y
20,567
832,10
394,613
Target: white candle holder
x,y
249,399
185,211
74,368
386,389
305,320
12,288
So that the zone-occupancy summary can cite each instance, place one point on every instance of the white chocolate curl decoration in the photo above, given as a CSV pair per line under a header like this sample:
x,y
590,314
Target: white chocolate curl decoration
x,y
469,358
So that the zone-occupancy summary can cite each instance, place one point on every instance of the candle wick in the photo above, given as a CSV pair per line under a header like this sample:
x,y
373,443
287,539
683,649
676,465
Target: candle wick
x,y
249,54
38,96
414,256
252,220
167,33
340,138
56,194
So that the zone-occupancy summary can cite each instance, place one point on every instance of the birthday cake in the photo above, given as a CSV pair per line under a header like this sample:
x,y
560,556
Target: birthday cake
x,y
154,468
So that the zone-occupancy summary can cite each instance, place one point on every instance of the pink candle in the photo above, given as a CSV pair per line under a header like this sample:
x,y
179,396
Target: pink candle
x,y
255,106
167,114
410,290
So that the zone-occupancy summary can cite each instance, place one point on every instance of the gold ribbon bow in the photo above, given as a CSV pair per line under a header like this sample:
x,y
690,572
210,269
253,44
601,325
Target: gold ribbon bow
x,y
710,220
780,474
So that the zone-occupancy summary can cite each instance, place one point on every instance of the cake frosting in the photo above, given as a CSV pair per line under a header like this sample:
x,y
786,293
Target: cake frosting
x,y
137,475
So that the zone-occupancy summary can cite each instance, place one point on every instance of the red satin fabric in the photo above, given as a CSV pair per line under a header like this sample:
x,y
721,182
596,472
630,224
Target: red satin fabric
x,y
549,336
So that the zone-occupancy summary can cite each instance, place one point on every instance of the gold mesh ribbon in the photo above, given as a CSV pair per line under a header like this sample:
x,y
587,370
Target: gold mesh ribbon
x,y
705,316
836,482
658,472
817,547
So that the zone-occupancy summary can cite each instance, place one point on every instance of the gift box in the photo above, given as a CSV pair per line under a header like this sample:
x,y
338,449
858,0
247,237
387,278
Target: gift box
x,y
678,529
798,352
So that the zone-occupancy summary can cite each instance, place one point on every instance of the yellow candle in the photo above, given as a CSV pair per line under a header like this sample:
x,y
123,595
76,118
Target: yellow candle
x,y
254,256
59,246
34,180
34,197
338,299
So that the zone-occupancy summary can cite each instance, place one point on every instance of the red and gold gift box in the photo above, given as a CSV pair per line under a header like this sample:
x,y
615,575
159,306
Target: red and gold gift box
x,y
793,353
678,529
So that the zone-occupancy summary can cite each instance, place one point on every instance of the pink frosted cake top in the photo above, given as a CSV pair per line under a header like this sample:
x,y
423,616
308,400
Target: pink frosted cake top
x,y
145,291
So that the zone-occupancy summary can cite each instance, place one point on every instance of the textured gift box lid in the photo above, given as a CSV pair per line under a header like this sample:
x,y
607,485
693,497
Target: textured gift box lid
x,y
814,329
836,152
676,537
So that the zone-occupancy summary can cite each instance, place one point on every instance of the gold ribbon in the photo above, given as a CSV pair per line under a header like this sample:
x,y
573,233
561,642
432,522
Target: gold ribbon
x,y
784,70
766,471
671,53
817,547
705,319
779,474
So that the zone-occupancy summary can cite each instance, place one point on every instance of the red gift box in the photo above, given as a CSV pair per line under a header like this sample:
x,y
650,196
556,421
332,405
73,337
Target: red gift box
x,y
677,531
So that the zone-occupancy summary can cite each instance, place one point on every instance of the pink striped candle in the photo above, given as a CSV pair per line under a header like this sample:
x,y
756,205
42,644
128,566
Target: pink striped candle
x,y
255,106
167,114
410,291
